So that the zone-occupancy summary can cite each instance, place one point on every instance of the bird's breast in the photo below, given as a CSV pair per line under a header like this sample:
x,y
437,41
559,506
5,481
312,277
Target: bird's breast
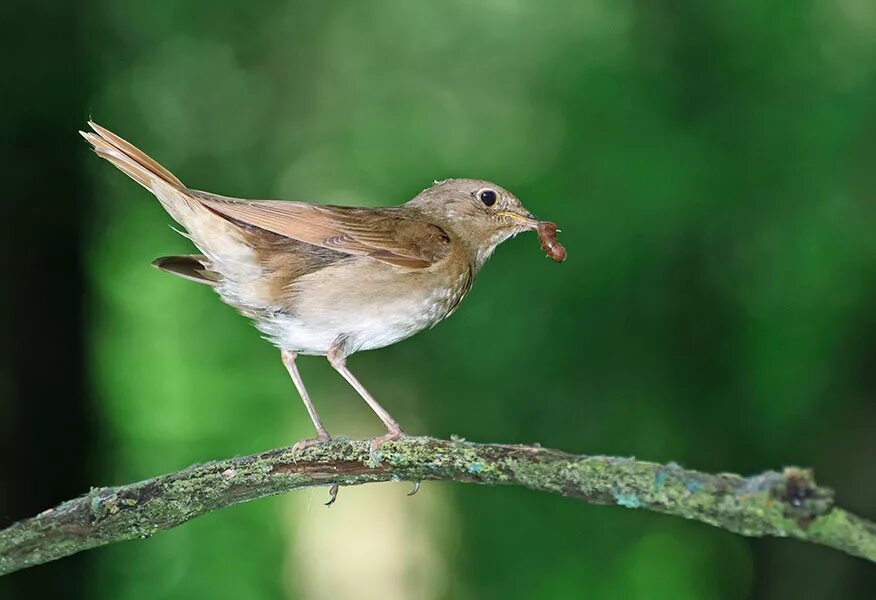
x,y
366,303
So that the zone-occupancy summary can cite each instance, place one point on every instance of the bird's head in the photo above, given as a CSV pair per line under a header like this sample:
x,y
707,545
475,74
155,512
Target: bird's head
x,y
478,213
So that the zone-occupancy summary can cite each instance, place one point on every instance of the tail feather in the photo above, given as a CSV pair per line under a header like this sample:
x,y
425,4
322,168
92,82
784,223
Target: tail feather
x,y
194,267
132,161
122,154
222,243
130,168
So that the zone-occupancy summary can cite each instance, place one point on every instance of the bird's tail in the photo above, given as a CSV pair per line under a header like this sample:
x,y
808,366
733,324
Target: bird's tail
x,y
129,159
137,165
221,241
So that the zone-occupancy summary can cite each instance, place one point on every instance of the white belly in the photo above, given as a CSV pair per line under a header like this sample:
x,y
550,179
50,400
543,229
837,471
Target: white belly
x,y
365,312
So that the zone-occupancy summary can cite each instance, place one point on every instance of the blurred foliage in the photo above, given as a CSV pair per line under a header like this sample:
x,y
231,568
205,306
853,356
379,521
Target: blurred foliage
x,y
711,167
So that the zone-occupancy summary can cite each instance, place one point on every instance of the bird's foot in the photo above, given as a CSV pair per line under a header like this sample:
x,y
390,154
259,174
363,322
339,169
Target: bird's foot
x,y
321,438
379,441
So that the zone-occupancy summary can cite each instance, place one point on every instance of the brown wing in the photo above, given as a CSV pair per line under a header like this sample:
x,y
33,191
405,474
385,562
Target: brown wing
x,y
382,234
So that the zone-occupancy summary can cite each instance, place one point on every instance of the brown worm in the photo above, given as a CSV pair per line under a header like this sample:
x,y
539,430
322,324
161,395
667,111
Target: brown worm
x,y
547,235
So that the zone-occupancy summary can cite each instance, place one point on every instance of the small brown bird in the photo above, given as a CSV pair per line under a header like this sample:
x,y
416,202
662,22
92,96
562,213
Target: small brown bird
x,y
334,280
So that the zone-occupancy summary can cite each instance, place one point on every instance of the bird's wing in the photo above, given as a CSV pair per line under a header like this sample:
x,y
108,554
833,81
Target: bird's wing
x,y
381,234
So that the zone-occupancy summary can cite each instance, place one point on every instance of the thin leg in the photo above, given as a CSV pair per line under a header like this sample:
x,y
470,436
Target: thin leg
x,y
321,434
394,431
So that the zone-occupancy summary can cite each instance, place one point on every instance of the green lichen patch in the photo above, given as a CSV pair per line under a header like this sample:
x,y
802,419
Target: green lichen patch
x,y
628,500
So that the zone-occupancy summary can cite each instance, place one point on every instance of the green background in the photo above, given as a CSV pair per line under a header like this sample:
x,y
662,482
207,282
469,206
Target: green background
x,y
711,166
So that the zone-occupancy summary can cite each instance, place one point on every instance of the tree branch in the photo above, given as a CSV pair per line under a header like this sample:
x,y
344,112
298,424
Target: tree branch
x,y
787,504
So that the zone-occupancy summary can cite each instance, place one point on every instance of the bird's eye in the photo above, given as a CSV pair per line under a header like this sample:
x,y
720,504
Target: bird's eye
x,y
488,197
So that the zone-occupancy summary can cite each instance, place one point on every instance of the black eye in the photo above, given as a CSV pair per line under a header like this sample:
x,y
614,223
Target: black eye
x,y
488,197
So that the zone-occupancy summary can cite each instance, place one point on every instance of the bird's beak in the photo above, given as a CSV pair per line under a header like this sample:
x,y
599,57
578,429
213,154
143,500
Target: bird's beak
x,y
527,219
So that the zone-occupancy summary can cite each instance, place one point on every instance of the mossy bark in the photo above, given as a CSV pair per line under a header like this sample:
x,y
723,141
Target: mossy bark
x,y
785,504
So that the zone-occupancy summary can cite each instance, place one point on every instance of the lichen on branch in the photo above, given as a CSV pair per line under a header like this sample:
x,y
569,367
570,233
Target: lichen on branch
x,y
782,504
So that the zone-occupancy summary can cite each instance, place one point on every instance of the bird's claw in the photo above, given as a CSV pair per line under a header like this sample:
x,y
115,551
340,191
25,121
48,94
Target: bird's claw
x,y
416,488
379,441
300,445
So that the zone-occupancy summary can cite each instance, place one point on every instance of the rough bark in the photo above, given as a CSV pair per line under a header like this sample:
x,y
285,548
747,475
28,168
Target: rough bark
x,y
786,504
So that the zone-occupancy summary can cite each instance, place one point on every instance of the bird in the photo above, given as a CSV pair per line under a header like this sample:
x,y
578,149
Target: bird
x,y
330,280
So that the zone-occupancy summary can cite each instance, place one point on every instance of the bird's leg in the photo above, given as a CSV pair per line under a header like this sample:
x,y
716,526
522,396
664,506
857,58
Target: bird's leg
x,y
338,360
321,434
